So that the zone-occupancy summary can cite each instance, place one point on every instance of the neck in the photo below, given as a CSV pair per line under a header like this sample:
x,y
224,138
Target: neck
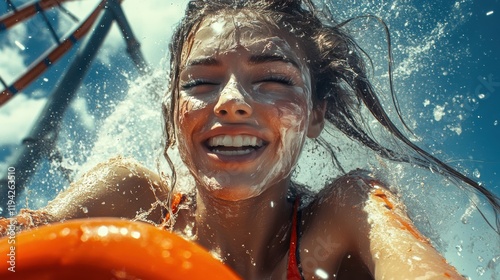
x,y
250,235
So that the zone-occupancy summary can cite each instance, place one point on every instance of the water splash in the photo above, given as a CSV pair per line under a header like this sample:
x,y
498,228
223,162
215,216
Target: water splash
x,y
420,30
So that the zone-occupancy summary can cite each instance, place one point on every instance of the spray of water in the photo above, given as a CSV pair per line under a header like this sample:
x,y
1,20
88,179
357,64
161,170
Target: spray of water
x,y
133,128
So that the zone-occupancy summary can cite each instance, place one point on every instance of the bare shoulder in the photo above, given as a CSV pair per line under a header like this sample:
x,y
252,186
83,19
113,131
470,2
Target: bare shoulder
x,y
329,222
119,187
375,226
342,202
348,190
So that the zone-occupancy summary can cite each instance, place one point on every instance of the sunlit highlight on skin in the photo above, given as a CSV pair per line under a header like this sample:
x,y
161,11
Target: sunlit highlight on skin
x,y
234,34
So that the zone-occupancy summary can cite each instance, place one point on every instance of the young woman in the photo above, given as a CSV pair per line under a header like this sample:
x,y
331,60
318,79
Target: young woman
x,y
249,82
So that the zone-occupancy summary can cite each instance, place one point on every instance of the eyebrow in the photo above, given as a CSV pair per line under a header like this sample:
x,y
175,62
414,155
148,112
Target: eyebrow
x,y
264,58
203,61
254,59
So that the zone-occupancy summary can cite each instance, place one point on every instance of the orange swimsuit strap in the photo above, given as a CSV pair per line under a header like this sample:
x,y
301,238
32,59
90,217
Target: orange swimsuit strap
x,y
178,199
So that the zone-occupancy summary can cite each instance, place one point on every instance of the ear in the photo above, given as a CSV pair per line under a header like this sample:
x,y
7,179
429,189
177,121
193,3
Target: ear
x,y
317,120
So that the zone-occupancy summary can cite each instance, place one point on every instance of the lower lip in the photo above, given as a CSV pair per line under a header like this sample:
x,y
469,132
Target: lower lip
x,y
236,158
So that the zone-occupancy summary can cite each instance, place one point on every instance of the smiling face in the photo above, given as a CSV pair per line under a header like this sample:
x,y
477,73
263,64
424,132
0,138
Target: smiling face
x,y
244,106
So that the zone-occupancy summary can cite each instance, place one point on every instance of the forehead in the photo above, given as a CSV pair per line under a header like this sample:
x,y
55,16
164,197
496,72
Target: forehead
x,y
226,33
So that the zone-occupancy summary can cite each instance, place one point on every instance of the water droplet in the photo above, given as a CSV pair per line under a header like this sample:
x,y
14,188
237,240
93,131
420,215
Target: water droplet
x,y
65,232
135,234
476,173
480,270
20,45
187,254
102,231
124,231
321,273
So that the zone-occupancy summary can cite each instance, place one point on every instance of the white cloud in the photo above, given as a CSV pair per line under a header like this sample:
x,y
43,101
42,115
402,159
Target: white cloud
x,y
81,9
80,107
17,32
154,34
12,62
152,22
17,117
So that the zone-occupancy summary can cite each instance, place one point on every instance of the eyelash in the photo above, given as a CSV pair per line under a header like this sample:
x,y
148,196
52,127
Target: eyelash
x,y
196,82
279,79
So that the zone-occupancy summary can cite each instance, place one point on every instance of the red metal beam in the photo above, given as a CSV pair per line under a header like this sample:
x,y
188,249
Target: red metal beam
x,y
27,11
39,66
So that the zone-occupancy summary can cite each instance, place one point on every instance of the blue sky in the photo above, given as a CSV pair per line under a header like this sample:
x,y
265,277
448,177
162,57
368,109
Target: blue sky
x,y
447,78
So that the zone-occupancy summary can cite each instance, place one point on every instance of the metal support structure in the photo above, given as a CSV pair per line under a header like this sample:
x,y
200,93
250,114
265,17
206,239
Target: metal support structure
x,y
68,13
11,6
4,84
49,25
133,46
42,138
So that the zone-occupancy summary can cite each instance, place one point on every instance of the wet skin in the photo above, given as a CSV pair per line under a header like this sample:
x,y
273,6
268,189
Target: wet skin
x,y
247,82
250,81
243,78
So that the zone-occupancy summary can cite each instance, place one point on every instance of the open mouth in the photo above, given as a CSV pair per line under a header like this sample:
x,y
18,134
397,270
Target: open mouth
x,y
234,145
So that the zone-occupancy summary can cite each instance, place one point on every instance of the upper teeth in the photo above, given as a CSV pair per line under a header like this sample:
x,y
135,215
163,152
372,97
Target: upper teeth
x,y
234,141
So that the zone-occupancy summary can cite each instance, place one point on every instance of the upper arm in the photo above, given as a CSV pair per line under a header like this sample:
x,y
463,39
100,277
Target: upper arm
x,y
385,237
117,188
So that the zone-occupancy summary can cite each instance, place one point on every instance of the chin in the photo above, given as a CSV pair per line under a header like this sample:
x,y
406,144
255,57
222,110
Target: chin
x,y
230,192
231,195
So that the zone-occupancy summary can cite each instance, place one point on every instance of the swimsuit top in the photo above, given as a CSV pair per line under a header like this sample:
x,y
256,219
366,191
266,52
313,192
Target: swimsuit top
x,y
293,270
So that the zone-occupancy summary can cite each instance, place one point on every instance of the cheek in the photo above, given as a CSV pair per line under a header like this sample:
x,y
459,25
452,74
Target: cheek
x,y
190,112
292,120
291,115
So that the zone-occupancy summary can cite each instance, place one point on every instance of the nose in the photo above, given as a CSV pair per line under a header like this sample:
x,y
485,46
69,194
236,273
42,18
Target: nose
x,y
232,103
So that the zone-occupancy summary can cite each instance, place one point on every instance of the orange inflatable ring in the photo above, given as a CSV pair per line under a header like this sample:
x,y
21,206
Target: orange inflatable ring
x,y
105,248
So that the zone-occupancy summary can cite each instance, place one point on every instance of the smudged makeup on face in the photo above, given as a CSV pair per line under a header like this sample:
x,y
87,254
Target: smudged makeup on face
x,y
244,105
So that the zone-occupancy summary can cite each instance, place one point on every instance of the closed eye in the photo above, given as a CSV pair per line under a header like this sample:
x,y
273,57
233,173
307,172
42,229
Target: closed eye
x,y
196,82
278,79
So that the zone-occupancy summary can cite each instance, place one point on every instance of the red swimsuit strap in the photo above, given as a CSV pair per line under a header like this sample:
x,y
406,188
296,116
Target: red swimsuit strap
x,y
293,271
